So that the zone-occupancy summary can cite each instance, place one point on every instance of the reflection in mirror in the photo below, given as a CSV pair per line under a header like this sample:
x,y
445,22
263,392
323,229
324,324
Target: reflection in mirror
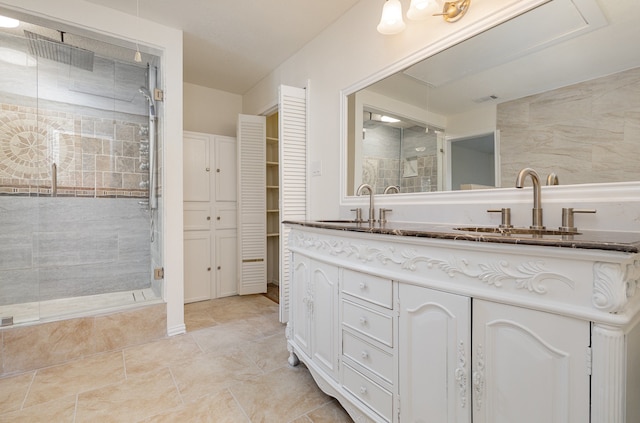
x,y
563,98
397,152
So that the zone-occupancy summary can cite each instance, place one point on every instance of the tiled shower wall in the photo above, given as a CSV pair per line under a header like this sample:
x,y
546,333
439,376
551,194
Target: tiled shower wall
x,y
585,133
95,156
93,237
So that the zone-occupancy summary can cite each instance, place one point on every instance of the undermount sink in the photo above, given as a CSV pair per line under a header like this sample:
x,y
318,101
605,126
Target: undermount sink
x,y
516,231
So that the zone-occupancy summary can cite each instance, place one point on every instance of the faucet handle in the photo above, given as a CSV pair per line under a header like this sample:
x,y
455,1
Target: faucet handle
x,y
567,218
383,215
358,211
506,217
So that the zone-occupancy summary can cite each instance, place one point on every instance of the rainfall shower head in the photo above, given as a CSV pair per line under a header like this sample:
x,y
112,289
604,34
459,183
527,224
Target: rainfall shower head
x,y
51,49
145,92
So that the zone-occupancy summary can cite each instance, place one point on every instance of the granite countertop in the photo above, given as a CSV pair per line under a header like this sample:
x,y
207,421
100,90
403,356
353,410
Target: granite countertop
x,y
627,242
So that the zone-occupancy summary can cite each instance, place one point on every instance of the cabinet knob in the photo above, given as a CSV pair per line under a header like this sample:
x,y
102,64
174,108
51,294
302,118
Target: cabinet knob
x,y
208,269
363,390
218,218
208,217
363,320
363,285
219,267
364,354
218,170
207,169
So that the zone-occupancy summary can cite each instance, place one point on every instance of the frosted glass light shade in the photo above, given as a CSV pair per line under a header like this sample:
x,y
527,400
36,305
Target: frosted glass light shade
x,y
391,20
422,9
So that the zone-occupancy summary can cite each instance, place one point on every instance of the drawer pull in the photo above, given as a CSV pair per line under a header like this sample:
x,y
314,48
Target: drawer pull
x,y
363,285
363,320
363,390
364,354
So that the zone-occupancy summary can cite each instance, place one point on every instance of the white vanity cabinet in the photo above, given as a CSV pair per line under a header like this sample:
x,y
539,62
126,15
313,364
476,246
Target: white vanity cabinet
x,y
314,311
434,355
421,329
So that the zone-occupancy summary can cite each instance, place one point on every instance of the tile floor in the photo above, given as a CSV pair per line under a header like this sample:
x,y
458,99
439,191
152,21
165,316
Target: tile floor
x,y
230,366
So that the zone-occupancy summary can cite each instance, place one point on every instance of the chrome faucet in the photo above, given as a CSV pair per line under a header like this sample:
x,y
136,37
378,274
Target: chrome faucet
x,y
390,188
372,212
537,195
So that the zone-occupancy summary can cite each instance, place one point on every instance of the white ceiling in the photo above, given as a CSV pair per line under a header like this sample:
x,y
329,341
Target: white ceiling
x,y
231,45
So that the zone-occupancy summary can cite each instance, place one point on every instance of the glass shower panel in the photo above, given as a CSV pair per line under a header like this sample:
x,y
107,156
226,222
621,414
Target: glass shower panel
x,y
20,168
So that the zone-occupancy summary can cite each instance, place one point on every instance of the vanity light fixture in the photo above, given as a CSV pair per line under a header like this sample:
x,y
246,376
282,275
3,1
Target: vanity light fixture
x,y
391,20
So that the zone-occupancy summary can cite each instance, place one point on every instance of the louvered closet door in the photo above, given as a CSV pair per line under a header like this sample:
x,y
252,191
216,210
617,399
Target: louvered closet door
x,y
292,129
252,272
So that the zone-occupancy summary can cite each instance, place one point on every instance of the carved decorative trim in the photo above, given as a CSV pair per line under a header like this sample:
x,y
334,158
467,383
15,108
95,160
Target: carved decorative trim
x,y
478,378
528,275
610,292
461,375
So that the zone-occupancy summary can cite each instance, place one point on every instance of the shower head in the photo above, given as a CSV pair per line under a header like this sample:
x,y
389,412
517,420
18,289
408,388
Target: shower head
x,y
145,92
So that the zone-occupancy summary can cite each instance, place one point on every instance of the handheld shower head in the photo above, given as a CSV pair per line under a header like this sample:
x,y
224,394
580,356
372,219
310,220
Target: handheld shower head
x,y
145,92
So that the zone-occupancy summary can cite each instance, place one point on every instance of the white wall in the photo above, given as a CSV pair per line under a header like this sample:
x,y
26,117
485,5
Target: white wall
x,y
211,111
88,16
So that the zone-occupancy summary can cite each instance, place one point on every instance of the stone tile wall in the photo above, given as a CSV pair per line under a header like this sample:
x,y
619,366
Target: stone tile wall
x,y
585,133
95,156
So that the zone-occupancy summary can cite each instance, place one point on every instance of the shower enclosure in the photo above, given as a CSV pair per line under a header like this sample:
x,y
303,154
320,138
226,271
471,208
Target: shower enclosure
x,y
79,182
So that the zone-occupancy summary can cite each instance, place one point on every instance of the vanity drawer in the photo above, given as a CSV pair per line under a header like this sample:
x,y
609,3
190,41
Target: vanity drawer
x,y
368,356
368,287
373,395
372,323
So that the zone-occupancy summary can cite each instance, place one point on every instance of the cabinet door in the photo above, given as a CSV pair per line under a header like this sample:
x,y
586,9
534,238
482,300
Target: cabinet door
x,y
197,266
226,268
324,281
300,311
528,366
225,160
196,167
434,352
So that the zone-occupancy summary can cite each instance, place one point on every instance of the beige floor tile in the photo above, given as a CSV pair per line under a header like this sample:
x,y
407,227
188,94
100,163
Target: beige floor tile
x,y
331,412
268,324
150,324
47,344
210,373
59,411
302,419
165,352
134,399
268,353
78,376
240,308
13,390
226,337
280,395
220,407
198,315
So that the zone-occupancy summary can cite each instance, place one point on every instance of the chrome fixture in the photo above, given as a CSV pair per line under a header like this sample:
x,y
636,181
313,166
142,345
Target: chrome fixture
x,y
391,19
152,184
54,180
505,215
372,212
358,211
567,218
537,195
390,188
383,215
552,179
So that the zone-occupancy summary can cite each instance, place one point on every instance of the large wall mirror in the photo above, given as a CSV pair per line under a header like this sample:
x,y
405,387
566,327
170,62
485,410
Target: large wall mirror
x,y
556,89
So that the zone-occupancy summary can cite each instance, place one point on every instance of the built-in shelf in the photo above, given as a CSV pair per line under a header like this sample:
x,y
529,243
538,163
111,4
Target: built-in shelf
x,y
272,235
272,187
272,140
273,211
272,163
